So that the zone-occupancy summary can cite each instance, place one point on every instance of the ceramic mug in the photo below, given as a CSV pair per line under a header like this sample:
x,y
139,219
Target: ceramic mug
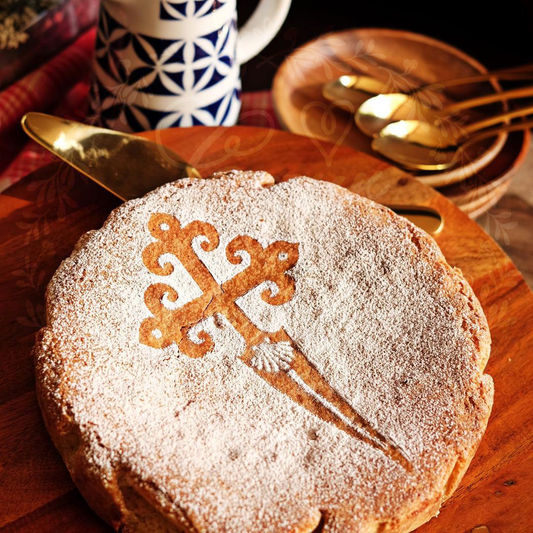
x,y
163,63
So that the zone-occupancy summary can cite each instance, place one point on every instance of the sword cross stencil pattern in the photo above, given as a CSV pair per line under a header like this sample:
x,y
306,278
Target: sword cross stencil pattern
x,y
275,357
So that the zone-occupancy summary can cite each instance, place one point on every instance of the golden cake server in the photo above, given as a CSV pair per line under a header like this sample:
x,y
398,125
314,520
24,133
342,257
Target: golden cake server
x,y
129,166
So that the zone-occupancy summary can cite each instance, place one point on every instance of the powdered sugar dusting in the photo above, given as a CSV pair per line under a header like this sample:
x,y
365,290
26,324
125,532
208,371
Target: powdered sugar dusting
x,y
375,310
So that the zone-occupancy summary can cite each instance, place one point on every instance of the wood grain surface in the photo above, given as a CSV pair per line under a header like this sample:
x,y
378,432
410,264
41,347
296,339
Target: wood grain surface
x,y
43,216
403,60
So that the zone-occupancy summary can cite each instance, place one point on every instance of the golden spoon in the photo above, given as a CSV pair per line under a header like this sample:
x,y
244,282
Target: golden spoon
x,y
129,166
351,90
445,134
406,143
379,111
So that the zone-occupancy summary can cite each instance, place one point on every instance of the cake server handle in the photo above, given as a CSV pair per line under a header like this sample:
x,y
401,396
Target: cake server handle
x,y
129,166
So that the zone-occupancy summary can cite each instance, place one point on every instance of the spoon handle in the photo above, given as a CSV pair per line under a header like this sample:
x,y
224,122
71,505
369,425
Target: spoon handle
x,y
523,72
508,128
497,119
521,92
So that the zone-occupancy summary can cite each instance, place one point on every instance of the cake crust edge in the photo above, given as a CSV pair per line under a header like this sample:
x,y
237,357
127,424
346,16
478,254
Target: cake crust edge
x,y
131,505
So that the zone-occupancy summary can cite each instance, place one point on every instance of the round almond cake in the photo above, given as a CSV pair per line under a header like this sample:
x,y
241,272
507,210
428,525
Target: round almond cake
x,y
235,355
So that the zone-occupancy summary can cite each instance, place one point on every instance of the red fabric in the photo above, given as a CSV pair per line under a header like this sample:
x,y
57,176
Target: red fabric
x,y
30,156
258,110
45,86
63,83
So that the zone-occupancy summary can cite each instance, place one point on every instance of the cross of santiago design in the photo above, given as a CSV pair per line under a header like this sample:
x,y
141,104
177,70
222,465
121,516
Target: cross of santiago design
x,y
273,356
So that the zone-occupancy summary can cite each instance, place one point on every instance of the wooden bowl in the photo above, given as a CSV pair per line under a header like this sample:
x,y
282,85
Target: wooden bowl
x,y
403,59
488,185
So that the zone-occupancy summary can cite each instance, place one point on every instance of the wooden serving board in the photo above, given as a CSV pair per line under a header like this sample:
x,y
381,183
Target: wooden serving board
x,y
43,216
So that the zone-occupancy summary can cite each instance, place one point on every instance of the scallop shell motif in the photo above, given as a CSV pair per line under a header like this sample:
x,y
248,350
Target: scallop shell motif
x,y
272,357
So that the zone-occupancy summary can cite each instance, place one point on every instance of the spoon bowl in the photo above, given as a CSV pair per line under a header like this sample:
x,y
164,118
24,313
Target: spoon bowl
x,y
409,143
377,112
363,95
419,146
350,91
356,89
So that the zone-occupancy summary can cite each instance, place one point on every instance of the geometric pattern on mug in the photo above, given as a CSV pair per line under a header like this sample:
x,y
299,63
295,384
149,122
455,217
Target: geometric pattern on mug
x,y
111,38
175,67
188,9
113,112
214,113
165,66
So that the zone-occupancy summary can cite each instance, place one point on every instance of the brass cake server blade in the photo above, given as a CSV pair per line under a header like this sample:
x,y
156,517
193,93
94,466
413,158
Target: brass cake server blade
x,y
130,166
126,165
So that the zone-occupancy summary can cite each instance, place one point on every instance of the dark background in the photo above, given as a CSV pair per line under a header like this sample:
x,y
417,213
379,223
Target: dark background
x,y
498,33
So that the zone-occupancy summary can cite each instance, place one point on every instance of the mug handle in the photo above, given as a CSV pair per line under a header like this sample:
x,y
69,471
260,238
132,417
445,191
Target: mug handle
x,y
261,28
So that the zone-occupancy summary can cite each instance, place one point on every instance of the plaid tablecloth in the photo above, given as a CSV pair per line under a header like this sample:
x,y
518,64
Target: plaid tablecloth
x,y
61,87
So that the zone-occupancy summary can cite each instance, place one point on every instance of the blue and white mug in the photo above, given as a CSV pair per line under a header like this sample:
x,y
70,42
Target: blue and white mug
x,y
163,63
